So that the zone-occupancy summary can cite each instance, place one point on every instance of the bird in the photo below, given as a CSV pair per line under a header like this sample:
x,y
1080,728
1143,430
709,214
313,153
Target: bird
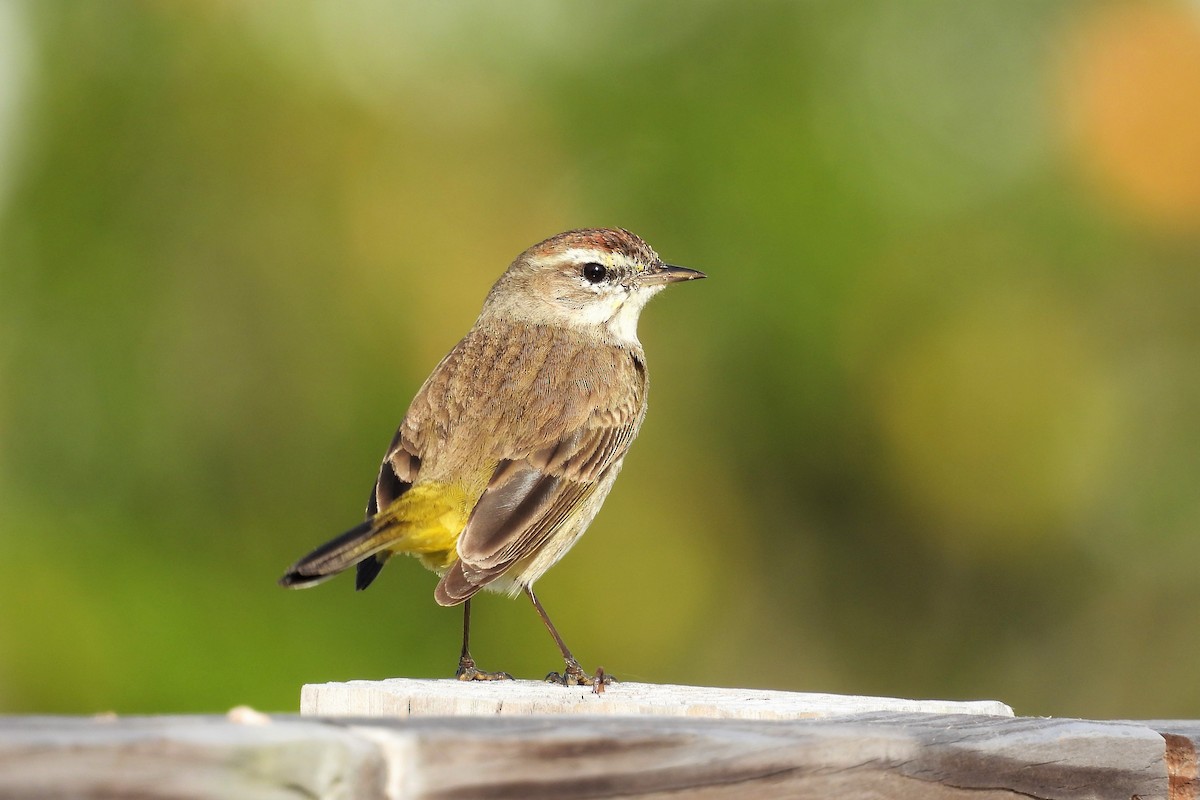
x,y
510,447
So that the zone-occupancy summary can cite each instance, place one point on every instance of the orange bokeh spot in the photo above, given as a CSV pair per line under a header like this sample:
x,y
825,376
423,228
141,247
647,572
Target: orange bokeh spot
x,y
1134,90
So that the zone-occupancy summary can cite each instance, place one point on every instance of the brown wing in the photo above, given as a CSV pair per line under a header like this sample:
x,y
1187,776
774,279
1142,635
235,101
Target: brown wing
x,y
527,500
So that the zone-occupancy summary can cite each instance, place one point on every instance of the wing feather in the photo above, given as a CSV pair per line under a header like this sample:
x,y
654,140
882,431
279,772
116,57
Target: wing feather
x,y
529,499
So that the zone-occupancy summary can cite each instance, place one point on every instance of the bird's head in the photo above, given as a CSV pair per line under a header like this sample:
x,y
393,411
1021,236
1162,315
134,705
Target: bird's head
x,y
596,279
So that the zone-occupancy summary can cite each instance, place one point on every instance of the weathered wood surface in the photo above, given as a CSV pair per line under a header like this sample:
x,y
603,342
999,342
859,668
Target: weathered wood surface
x,y
1183,767
902,756
407,697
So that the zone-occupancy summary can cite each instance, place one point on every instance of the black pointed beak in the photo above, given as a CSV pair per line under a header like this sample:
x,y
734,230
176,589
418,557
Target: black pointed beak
x,y
667,273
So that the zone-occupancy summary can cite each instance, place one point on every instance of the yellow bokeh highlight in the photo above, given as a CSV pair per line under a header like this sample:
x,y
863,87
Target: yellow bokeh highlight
x,y
999,422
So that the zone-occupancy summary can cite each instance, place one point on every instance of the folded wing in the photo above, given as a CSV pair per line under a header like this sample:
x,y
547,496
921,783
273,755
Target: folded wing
x,y
528,500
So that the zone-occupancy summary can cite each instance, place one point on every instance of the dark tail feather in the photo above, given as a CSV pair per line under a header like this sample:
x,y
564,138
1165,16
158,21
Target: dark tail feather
x,y
368,569
354,546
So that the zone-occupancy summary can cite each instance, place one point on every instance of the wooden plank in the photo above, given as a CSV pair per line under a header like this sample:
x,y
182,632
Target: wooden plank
x,y
187,757
901,756
405,697
905,757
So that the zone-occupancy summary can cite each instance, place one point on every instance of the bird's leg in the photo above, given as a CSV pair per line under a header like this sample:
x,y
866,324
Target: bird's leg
x,y
467,671
573,674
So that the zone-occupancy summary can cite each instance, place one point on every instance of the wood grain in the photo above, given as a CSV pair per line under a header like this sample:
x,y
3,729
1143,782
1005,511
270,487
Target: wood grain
x,y
881,755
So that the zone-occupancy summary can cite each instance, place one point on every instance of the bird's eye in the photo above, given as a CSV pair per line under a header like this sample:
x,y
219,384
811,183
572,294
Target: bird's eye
x,y
594,272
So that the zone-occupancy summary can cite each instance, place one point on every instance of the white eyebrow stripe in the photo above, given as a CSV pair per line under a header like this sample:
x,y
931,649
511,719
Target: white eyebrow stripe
x,y
582,255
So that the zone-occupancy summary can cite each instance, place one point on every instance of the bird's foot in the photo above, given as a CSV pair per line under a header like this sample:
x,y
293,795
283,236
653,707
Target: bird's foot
x,y
573,675
467,671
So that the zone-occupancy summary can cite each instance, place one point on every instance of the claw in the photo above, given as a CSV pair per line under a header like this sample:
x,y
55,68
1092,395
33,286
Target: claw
x,y
599,681
573,675
467,671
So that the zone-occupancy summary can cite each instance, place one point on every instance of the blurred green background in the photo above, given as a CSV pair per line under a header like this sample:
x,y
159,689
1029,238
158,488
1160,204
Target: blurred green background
x,y
931,429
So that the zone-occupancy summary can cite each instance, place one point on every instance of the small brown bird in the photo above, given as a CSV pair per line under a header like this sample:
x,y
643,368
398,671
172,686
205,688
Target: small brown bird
x,y
510,447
